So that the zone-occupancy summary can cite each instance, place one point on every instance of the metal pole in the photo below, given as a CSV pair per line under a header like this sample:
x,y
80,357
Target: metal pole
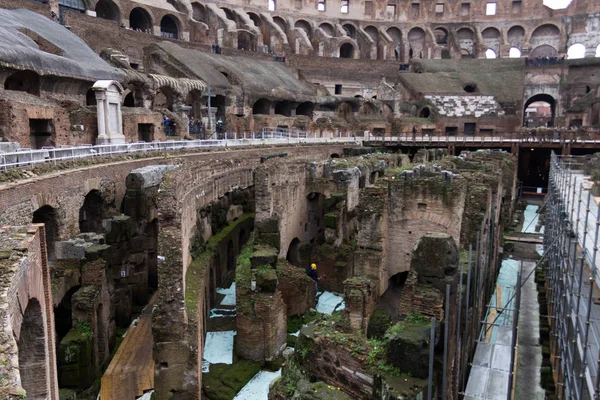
x,y
431,353
458,322
209,111
446,319
467,330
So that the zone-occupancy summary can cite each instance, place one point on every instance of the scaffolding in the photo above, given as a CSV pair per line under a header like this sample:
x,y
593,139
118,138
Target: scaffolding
x,y
572,279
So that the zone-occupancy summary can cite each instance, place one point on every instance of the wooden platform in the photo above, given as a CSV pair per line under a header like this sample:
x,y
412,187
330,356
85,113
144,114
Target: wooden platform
x,y
535,238
131,371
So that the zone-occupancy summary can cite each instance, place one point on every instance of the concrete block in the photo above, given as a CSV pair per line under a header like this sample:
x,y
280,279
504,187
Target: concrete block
x,y
146,177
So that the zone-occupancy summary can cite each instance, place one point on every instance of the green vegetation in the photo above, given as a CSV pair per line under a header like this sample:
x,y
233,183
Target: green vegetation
x,y
202,258
224,381
378,324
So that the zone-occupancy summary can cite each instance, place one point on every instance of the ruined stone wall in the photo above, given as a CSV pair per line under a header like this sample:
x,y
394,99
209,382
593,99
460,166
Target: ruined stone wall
x,y
418,206
28,359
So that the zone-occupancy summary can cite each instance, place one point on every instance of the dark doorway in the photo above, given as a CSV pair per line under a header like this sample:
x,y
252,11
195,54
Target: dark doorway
x,y
129,100
390,301
470,128
168,27
23,81
539,111
347,51
47,215
315,206
146,132
140,20
534,167
293,254
91,213
63,315
40,133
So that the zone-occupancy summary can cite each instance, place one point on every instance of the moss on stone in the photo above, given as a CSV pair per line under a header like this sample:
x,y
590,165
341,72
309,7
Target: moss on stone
x,y
224,381
378,324
195,271
331,220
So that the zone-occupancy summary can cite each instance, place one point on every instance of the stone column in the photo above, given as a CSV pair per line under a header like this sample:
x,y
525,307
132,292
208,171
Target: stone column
x,y
100,106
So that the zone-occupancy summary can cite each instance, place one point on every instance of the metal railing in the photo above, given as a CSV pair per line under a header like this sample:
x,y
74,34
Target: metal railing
x,y
29,157
500,139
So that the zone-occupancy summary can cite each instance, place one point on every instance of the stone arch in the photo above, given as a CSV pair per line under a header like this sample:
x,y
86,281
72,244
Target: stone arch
x,y
140,19
91,212
129,100
261,106
108,9
307,108
395,35
47,215
164,98
598,51
31,346
575,51
514,52
63,314
280,22
327,28
347,50
293,253
516,36
490,53
90,97
492,39
304,25
544,50
246,40
441,35
373,32
170,26
541,97
367,108
466,42
545,34
199,12
256,19
229,14
416,42
284,108
350,30
23,81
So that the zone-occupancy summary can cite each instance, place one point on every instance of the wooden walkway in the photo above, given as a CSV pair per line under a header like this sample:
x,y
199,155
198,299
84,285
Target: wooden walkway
x,y
525,239
131,371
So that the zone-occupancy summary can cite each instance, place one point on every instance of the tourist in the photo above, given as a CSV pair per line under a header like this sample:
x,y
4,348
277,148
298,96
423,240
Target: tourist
x,y
312,273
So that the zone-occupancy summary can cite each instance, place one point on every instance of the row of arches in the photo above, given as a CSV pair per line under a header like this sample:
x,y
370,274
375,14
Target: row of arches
x,y
140,19
263,106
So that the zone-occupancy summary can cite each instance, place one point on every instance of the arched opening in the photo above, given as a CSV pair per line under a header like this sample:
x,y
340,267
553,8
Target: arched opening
x,y
307,108
169,27
245,40
441,36
544,50
576,51
129,100
256,19
32,352
516,36
557,5
347,50
107,9
303,25
514,53
229,14
367,109
327,28
284,108
390,301
91,213
470,88
261,106
140,20
163,99
466,42
372,178
546,34
314,229
489,53
272,5
230,257
293,253
23,81
416,40
334,155
47,215
199,12
90,98
63,315
350,30
280,22
372,32
425,112
396,35
539,111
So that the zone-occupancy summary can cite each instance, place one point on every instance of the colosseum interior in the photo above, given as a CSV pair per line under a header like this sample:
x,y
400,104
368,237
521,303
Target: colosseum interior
x,y
292,199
